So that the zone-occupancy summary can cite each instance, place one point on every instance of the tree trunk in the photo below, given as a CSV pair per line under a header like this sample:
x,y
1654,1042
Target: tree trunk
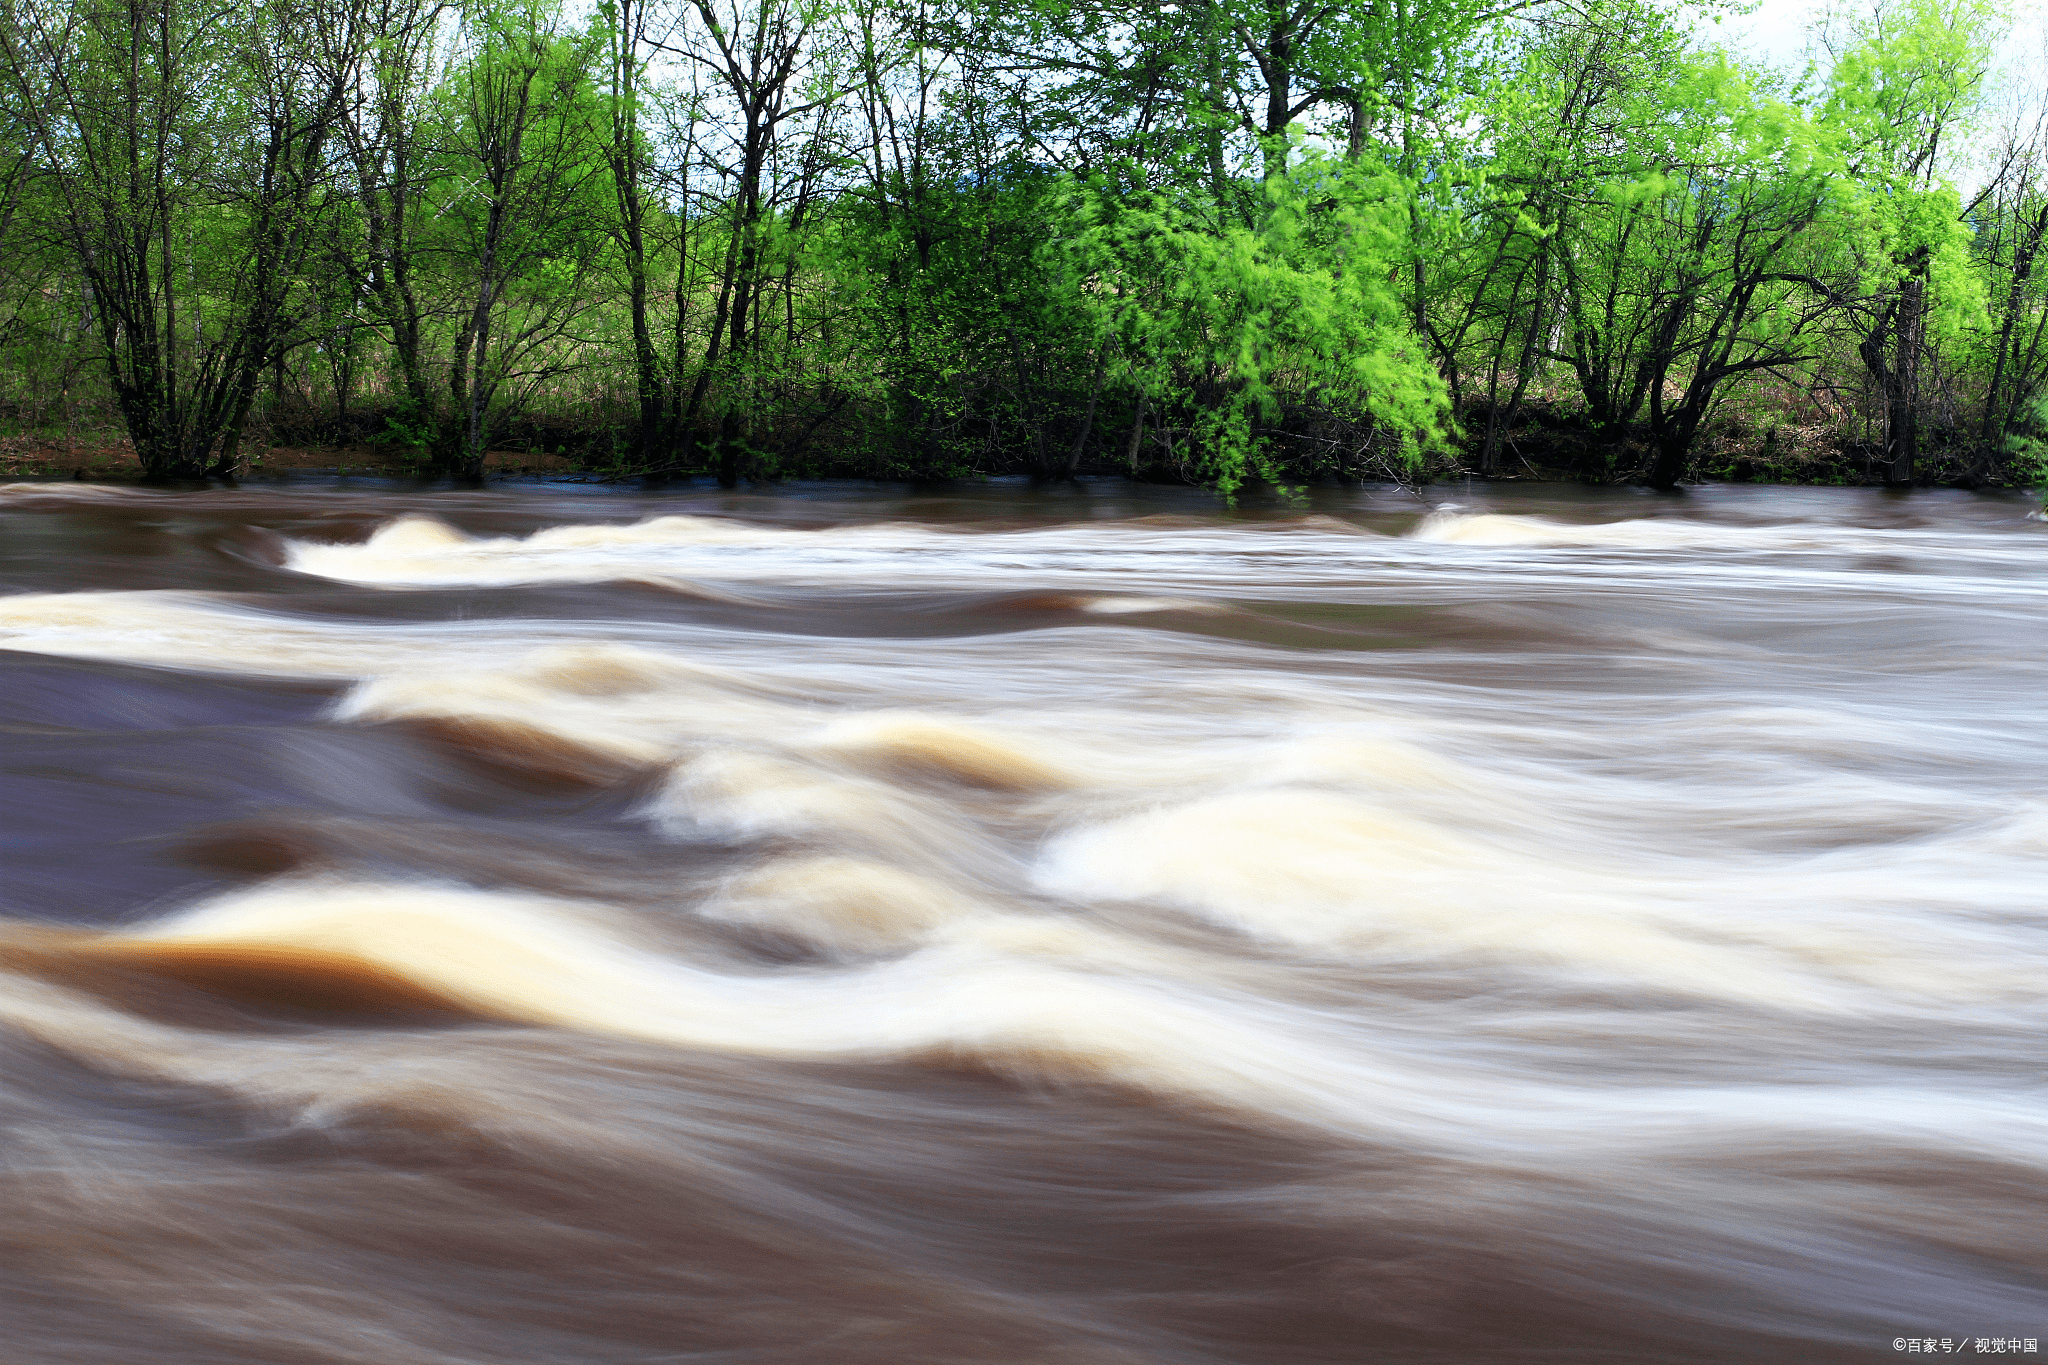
x,y
1890,352
1673,452
1903,411
1995,413
1087,425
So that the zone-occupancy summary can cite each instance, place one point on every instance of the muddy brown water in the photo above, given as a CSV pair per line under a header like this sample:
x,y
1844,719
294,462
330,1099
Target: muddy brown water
x,y
1078,926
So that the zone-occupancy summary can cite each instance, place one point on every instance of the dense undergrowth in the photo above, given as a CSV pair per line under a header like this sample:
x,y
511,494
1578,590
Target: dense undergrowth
x,y
1550,441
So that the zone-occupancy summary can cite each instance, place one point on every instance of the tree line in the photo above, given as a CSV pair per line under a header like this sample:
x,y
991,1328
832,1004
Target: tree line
x,y
1207,240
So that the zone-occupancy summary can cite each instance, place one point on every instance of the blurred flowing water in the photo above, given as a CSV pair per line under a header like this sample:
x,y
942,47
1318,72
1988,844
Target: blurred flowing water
x,y
1078,926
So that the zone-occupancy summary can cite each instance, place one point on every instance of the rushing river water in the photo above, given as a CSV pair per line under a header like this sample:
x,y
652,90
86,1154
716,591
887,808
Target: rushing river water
x,y
1076,927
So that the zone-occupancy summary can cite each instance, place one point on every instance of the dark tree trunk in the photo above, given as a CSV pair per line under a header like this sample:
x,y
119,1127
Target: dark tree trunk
x,y
1903,415
1996,410
1087,425
1890,352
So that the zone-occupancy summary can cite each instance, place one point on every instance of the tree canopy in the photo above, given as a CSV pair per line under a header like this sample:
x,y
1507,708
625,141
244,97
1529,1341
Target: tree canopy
x,y
1211,240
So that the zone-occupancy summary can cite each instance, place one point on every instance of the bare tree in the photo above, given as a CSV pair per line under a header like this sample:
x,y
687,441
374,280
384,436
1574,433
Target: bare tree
x,y
386,134
758,53
522,220
169,136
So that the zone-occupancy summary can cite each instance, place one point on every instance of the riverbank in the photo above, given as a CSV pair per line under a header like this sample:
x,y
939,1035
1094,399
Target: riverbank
x,y
110,456
1544,447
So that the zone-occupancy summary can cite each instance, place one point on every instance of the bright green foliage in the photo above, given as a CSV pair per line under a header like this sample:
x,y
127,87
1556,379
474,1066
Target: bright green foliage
x,y
1906,82
2027,445
1228,241
518,208
1231,323
939,289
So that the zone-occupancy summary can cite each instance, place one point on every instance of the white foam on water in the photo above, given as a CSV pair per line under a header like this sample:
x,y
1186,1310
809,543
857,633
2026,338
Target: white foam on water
x,y
1370,832
1044,1002
1303,886
1144,568
218,634
1140,606
27,493
1326,873
1492,528
843,905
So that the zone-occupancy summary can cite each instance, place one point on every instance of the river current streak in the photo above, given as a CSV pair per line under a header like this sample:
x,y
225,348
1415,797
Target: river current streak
x,y
1083,926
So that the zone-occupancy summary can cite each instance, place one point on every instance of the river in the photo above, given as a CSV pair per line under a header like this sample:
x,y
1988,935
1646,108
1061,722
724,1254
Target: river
x,y
850,925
